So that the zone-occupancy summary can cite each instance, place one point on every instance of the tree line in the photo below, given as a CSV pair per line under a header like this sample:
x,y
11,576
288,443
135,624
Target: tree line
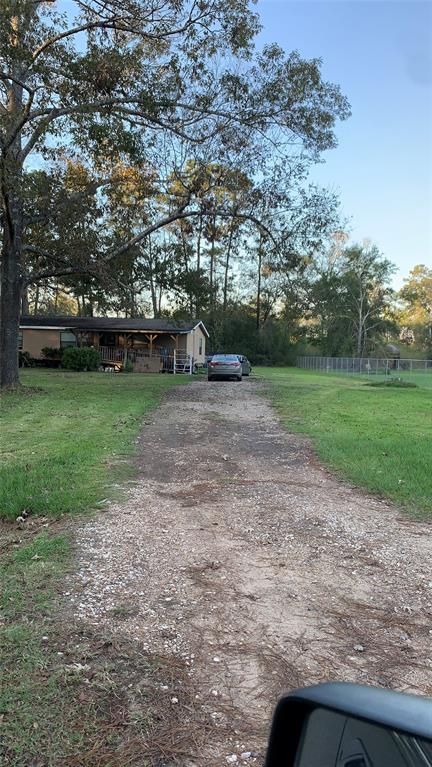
x,y
337,301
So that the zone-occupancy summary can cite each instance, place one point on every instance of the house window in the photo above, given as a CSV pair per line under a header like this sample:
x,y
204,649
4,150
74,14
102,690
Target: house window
x,y
20,340
67,338
200,346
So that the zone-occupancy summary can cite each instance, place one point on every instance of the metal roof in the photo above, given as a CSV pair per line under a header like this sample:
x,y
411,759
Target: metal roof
x,y
112,324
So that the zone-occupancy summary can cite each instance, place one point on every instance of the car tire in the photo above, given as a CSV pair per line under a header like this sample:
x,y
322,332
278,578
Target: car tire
x,y
209,378
239,378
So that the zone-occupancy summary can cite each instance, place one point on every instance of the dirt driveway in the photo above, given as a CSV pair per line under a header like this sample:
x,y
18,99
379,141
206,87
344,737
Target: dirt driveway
x,y
238,554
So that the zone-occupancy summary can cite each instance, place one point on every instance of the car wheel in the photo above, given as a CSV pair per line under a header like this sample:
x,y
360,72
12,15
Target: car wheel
x,y
239,378
209,378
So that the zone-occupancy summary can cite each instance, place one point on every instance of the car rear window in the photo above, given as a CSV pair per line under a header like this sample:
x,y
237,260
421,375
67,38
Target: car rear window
x,y
224,357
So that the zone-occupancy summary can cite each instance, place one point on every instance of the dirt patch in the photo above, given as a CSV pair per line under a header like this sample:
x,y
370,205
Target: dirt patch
x,y
240,558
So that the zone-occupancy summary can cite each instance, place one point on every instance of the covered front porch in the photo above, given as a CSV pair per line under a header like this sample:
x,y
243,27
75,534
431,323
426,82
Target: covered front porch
x,y
148,352
146,358
155,342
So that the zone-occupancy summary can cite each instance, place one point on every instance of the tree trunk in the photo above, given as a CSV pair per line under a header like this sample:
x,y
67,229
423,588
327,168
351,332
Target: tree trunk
x,y
11,276
25,306
360,331
153,296
227,265
11,287
152,279
212,266
198,263
258,301
11,270
36,301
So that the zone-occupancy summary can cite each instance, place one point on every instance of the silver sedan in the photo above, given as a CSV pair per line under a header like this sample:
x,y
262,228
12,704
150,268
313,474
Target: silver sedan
x,y
224,366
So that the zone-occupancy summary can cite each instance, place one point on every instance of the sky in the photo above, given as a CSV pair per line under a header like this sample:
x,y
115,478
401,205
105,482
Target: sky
x,y
380,53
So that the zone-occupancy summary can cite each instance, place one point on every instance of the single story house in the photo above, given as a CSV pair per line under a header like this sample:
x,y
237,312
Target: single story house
x,y
117,339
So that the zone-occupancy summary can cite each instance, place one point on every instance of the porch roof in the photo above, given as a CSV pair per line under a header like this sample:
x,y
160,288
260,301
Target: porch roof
x,y
113,324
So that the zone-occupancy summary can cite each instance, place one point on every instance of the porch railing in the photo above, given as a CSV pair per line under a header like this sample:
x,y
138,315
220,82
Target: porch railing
x,y
122,353
172,360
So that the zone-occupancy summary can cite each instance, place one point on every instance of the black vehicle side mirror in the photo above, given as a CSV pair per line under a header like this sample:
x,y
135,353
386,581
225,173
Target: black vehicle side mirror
x,y
349,725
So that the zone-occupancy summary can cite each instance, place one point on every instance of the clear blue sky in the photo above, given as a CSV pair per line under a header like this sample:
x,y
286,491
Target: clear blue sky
x,y
380,53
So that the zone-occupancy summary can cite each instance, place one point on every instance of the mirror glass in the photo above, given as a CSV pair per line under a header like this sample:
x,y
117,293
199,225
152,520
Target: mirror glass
x,y
330,739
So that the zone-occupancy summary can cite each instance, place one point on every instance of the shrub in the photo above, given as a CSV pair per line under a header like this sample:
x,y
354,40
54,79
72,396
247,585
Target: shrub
x,y
81,358
51,353
128,367
25,361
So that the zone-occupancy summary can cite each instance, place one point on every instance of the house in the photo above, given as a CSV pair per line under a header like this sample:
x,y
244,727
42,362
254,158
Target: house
x,y
149,344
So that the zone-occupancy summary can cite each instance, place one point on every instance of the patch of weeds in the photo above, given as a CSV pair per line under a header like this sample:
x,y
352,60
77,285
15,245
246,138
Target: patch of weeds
x,y
394,383
215,417
123,612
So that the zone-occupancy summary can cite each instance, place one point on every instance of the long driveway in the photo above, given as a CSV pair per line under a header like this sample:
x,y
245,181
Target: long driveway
x,y
236,552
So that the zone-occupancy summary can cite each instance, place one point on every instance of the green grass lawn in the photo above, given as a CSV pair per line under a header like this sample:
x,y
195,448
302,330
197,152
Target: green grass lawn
x,y
62,446
64,441
378,438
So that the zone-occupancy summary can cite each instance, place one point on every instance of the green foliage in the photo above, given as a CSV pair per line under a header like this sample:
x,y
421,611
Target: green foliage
x,y
51,353
416,312
61,446
376,438
128,367
275,342
349,297
81,358
25,361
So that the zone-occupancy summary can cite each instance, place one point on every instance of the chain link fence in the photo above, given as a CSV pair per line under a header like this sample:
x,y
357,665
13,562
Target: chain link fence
x,y
365,366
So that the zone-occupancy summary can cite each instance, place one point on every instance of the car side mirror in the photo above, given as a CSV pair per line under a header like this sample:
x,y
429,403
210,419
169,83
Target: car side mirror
x,y
348,725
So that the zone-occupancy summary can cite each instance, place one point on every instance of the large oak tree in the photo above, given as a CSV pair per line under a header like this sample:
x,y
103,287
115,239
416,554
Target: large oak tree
x,y
110,80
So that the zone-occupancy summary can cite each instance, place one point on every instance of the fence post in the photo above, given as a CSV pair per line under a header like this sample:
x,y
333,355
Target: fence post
x,y
174,362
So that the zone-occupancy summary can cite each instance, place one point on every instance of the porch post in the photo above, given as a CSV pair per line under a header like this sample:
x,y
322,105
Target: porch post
x,y
174,362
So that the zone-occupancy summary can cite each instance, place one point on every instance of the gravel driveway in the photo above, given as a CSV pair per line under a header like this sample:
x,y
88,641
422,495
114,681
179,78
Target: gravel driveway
x,y
236,552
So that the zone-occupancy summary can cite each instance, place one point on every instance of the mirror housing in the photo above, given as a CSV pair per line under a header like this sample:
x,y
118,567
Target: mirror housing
x,y
317,727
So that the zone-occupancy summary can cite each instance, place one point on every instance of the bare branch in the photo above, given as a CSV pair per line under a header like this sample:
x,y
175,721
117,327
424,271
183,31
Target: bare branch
x,y
45,275
182,213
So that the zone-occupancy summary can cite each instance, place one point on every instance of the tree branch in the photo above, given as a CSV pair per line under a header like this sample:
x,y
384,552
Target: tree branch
x,y
90,189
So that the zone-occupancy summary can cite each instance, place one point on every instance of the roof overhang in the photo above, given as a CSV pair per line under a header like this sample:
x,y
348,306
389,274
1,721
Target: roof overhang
x,y
201,325
45,327
89,327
